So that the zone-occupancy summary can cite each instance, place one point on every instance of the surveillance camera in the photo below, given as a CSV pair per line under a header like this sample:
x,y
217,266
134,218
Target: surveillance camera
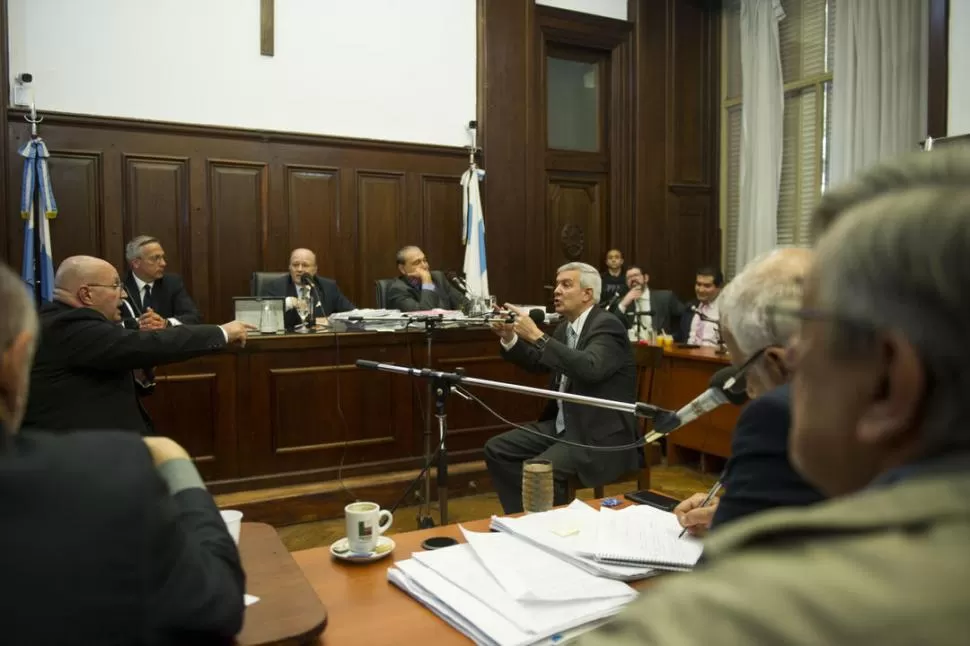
x,y
25,77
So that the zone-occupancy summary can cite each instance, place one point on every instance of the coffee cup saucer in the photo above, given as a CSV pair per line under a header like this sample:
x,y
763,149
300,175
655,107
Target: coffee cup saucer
x,y
341,550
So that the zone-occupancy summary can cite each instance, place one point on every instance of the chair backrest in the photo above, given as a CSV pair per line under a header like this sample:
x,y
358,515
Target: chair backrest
x,y
381,285
259,280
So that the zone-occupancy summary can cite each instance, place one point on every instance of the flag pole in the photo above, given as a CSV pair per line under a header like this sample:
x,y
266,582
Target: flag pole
x,y
35,213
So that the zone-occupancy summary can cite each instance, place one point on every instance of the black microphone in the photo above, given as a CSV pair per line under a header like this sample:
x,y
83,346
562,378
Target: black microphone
x,y
704,317
538,316
722,390
367,363
613,301
457,280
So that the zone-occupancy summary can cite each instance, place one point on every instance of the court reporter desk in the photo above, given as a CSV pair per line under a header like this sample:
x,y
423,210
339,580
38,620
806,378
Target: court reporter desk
x,y
294,409
363,607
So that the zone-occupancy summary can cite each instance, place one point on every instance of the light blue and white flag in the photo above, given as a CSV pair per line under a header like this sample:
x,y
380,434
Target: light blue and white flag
x,y
473,234
37,177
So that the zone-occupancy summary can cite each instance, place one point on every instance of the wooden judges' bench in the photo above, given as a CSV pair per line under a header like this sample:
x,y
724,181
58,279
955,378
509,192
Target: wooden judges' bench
x,y
293,411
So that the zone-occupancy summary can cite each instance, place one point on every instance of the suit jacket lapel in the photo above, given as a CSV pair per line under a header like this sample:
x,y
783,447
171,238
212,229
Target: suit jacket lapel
x,y
133,292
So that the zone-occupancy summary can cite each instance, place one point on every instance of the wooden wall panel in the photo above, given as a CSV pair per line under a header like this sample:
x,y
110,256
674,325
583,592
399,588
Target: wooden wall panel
x,y
380,225
441,200
575,217
156,199
238,212
79,227
227,202
312,205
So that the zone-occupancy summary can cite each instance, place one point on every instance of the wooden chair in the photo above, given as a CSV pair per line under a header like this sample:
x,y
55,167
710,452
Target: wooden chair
x,y
649,359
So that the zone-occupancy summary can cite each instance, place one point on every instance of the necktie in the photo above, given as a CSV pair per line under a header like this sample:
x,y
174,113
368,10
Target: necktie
x,y
146,300
563,382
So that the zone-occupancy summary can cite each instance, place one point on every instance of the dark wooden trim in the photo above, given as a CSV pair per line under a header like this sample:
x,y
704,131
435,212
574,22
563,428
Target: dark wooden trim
x,y
938,74
265,136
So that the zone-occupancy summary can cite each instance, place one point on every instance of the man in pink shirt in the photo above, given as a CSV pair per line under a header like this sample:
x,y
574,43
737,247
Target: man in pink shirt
x,y
703,329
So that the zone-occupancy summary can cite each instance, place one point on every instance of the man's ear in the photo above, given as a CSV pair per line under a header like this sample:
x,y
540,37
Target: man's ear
x,y
897,392
776,366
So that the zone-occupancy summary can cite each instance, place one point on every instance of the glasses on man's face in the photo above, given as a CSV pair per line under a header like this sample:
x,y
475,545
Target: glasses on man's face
x,y
738,385
115,285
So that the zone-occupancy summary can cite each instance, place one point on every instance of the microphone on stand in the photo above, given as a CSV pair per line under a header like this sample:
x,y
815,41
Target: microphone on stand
x,y
457,281
721,391
312,284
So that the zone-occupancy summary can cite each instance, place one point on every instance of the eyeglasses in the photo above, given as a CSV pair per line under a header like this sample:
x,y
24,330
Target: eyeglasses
x,y
785,319
737,384
115,286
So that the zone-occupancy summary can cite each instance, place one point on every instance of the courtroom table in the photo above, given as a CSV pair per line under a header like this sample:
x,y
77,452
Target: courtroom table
x,y
365,608
683,375
289,612
292,409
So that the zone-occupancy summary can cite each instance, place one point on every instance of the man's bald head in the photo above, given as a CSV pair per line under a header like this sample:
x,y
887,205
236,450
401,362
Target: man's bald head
x,y
76,271
302,262
86,281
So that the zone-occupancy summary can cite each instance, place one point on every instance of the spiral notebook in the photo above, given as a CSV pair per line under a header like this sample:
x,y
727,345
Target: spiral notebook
x,y
644,536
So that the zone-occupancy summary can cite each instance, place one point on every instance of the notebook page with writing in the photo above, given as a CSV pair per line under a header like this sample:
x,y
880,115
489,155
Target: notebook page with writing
x,y
645,536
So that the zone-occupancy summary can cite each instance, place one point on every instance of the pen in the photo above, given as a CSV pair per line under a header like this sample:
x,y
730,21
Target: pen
x,y
707,500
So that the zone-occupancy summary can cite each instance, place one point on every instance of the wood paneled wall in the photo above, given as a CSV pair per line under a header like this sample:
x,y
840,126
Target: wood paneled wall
x,y
666,218
227,202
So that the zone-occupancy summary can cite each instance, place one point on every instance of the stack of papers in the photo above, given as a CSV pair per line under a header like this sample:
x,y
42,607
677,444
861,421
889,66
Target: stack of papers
x,y
497,589
642,535
571,534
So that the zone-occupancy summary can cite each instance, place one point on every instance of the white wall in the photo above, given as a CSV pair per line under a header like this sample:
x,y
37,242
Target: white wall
x,y
379,69
608,8
958,93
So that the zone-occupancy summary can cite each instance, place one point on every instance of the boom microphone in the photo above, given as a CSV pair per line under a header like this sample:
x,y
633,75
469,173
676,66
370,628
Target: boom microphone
x,y
716,395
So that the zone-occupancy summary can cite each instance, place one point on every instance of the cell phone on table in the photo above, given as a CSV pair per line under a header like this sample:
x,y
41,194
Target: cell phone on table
x,y
657,500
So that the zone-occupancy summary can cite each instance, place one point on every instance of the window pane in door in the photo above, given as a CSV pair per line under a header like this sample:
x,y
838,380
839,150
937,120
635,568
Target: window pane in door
x,y
572,104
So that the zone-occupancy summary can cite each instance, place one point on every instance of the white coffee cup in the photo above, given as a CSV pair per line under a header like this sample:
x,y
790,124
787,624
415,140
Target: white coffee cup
x,y
366,521
233,520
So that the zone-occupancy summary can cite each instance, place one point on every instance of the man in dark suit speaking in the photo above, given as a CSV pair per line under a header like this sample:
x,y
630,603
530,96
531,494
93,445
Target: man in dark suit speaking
x,y
588,354
107,538
82,376
158,299
323,292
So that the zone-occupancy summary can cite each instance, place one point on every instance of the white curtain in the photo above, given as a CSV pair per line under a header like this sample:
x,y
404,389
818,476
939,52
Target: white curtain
x,y
879,82
762,128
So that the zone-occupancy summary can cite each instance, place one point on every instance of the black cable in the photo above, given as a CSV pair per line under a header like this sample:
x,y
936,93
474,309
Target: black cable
x,y
343,420
623,447
434,458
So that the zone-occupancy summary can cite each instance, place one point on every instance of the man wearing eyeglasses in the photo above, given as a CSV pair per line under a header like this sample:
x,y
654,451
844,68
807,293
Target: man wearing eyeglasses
x,y
82,377
157,299
880,423
758,475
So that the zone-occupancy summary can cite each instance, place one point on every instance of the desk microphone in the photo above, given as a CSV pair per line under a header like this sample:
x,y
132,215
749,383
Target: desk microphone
x,y
457,281
716,395
703,316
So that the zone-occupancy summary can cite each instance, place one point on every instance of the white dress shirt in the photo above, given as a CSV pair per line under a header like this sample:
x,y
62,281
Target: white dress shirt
x,y
641,324
140,284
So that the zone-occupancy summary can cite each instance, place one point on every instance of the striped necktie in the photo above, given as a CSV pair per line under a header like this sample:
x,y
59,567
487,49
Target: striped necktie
x,y
564,381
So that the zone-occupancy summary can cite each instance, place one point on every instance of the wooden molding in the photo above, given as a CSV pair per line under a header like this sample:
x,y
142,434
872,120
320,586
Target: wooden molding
x,y
264,136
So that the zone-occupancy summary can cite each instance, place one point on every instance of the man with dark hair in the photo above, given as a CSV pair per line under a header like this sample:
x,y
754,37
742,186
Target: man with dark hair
x,y
158,299
880,415
614,282
107,538
702,328
418,288
643,310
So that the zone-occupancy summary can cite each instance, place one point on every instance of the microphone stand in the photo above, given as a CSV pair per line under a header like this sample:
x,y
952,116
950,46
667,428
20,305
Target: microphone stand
x,y
431,323
442,383
721,348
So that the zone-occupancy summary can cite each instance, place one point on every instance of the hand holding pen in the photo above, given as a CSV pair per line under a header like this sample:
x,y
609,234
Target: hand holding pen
x,y
696,513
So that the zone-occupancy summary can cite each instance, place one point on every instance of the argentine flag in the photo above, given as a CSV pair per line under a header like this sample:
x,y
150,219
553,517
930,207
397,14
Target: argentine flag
x,y
473,234
36,175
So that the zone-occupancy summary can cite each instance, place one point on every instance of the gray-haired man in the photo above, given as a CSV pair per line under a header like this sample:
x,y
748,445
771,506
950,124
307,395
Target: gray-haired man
x,y
880,422
587,354
157,299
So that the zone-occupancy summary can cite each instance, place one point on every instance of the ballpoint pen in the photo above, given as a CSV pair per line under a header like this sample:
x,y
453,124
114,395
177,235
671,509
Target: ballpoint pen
x,y
707,499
